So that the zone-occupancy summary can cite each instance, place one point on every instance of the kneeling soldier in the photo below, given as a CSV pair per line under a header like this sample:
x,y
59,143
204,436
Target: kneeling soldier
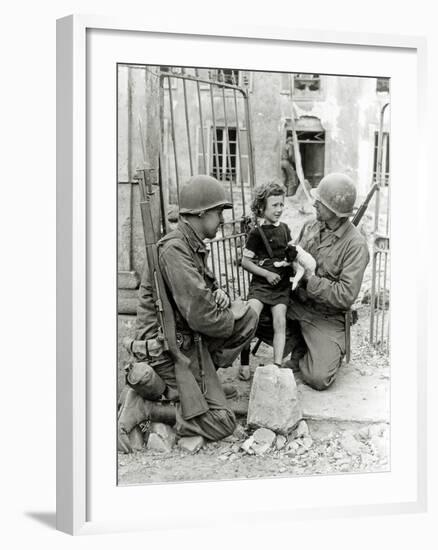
x,y
211,331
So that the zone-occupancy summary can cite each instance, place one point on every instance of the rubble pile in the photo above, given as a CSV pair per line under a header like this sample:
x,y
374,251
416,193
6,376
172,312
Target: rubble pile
x,y
263,441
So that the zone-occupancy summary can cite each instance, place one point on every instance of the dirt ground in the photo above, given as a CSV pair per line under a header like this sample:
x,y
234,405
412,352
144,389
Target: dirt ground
x,y
339,442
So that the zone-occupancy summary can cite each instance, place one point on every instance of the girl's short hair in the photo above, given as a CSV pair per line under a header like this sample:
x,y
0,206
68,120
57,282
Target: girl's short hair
x,y
262,192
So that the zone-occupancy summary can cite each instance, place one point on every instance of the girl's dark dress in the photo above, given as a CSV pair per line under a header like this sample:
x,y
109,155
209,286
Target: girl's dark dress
x,y
259,288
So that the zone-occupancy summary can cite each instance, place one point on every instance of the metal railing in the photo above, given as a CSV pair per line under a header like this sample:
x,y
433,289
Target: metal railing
x,y
380,281
217,108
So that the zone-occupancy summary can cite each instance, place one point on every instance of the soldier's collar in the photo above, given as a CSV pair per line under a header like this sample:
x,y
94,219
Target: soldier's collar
x,y
340,230
192,237
343,228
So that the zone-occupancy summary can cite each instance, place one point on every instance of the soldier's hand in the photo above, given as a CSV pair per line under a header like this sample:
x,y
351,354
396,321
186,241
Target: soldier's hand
x,y
272,278
238,309
221,298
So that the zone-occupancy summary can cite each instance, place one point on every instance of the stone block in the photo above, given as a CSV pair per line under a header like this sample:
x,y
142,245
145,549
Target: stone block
x,y
164,431
273,401
155,443
302,430
191,444
280,442
247,445
263,440
136,439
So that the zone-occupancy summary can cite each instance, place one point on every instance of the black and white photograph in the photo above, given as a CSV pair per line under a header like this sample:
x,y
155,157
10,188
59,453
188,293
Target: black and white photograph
x,y
253,252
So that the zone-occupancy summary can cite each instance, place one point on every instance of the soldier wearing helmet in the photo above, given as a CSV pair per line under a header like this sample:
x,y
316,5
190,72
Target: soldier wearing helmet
x,y
317,308
211,329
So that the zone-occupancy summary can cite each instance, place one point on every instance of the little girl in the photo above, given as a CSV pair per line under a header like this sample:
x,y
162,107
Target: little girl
x,y
266,246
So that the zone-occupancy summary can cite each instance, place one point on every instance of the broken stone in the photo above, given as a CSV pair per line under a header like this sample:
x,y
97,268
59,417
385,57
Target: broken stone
x,y
307,442
246,445
155,443
280,442
293,446
191,444
273,401
351,445
164,431
136,439
302,430
260,448
264,436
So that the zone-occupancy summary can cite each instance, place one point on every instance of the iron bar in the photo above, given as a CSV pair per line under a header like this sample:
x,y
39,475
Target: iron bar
x,y
236,259
372,296
201,122
172,121
249,140
186,110
384,296
242,242
225,257
161,158
201,80
379,167
232,267
228,152
218,239
215,144
239,152
213,267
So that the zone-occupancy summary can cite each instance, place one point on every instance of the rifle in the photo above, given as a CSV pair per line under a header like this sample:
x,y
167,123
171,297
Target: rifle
x,y
192,399
362,208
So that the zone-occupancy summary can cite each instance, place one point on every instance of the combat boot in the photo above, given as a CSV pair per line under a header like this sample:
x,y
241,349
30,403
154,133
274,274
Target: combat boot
x,y
133,411
138,411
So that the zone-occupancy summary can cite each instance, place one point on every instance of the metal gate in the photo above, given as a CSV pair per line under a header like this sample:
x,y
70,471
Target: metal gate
x,y
379,295
206,128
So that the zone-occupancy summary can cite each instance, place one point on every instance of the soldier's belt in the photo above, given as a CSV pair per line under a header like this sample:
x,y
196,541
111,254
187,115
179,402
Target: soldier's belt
x,y
144,349
152,349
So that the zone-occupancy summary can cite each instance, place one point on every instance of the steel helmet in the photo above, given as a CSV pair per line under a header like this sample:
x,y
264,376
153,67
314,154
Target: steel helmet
x,y
202,193
338,193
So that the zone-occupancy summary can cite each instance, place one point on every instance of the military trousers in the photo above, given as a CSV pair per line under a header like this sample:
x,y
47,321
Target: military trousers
x,y
219,421
318,343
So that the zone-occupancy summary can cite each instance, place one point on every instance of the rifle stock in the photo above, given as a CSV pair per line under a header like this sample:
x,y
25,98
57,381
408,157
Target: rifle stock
x,y
192,400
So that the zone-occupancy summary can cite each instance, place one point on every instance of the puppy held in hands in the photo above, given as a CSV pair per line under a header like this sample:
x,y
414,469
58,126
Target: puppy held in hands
x,y
300,260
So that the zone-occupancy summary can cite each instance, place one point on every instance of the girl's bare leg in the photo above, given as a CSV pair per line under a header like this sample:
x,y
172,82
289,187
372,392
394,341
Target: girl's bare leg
x,y
279,323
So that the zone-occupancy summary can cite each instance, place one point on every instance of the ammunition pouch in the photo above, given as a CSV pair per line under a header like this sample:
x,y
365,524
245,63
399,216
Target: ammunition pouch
x,y
142,378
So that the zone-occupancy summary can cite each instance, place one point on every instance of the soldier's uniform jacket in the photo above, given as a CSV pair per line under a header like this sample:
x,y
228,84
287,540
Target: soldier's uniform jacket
x,y
183,262
341,258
